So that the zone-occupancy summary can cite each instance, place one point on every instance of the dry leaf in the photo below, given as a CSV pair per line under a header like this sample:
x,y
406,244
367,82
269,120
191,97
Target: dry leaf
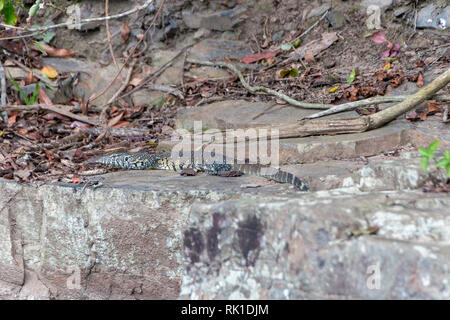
x,y
44,98
309,57
54,52
49,72
419,82
125,31
115,120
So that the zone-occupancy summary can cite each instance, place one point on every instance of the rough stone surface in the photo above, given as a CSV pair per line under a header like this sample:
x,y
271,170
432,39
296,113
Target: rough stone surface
x,y
380,3
433,16
319,10
156,234
300,248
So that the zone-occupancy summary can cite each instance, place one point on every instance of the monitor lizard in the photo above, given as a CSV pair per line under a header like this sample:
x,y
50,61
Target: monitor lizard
x,y
163,161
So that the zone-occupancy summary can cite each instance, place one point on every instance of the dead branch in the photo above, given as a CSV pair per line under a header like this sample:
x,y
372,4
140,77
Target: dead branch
x,y
282,96
353,125
54,108
375,100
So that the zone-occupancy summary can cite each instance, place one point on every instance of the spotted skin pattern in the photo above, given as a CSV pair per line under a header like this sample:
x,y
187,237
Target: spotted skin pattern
x,y
141,161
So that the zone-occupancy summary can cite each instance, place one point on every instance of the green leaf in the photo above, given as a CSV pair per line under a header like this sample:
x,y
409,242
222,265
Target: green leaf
x,y
8,13
2,3
433,146
34,8
424,152
352,76
39,46
297,43
424,164
286,46
35,95
22,94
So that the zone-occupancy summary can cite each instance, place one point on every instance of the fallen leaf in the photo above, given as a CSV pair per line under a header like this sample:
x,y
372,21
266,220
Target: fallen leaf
x,y
125,31
115,120
13,117
54,52
419,82
333,89
44,98
415,116
316,46
49,72
379,37
433,108
309,57
54,115
259,56
76,180
287,73
122,124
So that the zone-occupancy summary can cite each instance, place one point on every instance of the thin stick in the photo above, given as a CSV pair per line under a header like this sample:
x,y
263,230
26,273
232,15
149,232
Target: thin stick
x,y
124,84
330,108
282,96
85,21
108,34
375,100
53,108
2,84
157,72
131,53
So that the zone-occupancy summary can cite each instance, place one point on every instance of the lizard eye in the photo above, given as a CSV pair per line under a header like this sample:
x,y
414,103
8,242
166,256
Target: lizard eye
x,y
126,159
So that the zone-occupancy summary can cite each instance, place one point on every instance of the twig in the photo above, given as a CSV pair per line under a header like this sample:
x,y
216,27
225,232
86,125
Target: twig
x,y
2,84
85,21
157,72
92,98
124,84
36,73
282,96
376,100
53,108
108,34
173,91
311,27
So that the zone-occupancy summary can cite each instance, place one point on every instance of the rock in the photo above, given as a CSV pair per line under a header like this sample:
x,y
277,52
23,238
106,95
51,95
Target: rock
x,y
401,10
82,11
85,243
279,35
191,19
223,20
201,33
295,249
319,10
220,21
433,16
336,19
382,4
217,50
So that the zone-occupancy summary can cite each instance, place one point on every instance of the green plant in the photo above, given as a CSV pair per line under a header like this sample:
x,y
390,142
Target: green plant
x,y
428,154
28,100
7,10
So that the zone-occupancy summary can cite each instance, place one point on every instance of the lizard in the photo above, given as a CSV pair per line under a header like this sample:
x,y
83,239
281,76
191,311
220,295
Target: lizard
x,y
163,161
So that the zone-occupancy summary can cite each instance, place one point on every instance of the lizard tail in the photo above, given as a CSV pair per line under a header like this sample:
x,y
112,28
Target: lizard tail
x,y
272,174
